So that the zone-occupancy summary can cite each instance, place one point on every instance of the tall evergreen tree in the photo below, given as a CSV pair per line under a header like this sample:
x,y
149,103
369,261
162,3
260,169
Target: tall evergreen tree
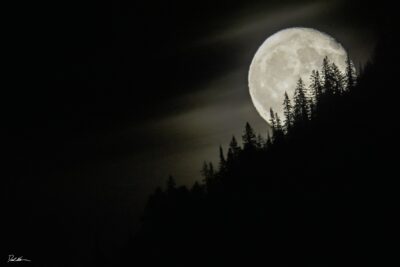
x,y
287,111
278,123
300,103
260,142
309,98
316,89
351,77
234,147
279,134
249,138
338,79
272,120
327,76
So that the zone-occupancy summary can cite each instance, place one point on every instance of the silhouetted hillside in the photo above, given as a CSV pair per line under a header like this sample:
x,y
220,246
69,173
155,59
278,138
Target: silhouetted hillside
x,y
314,192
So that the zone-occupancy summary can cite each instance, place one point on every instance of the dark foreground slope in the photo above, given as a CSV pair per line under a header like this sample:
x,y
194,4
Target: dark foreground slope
x,y
320,195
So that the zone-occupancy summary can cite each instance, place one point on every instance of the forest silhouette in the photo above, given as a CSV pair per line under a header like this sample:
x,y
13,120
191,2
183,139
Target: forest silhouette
x,y
309,192
93,98
320,189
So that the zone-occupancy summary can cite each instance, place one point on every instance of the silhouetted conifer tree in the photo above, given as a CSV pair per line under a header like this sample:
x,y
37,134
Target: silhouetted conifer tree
x,y
351,77
279,133
287,111
316,91
272,120
249,138
327,76
234,147
260,142
300,103
278,122
338,79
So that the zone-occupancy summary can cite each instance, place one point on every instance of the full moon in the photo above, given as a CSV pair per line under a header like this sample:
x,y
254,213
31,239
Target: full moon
x,y
285,57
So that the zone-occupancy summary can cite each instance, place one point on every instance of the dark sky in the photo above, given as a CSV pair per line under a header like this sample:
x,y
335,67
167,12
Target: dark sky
x,y
106,99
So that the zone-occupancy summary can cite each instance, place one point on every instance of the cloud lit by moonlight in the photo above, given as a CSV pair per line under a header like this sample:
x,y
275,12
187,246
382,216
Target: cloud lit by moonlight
x,y
285,57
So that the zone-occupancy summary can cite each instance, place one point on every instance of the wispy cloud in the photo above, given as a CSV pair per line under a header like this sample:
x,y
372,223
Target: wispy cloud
x,y
268,21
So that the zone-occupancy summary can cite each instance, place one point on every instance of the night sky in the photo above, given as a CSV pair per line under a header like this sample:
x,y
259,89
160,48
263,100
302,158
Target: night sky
x,y
106,100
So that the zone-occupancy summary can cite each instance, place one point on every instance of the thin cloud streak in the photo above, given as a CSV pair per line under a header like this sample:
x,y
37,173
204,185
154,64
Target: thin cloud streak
x,y
269,21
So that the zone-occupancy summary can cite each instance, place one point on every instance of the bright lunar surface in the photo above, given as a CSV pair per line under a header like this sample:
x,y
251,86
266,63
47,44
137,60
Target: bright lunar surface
x,y
285,57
